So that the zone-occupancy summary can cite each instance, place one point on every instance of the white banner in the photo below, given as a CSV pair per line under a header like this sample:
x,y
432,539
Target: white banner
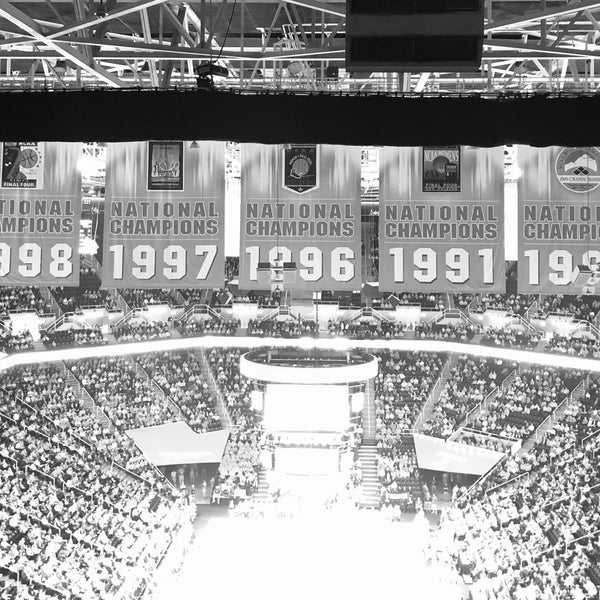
x,y
178,444
439,455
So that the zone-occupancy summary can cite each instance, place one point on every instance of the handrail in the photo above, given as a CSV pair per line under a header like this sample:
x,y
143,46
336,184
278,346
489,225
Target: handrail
x,y
550,418
525,323
431,399
500,388
488,434
220,401
588,326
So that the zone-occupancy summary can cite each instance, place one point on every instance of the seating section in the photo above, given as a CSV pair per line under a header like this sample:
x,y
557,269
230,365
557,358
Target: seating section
x,y
539,539
88,294
77,336
285,329
586,347
366,329
402,386
580,307
509,337
448,332
239,468
25,298
470,381
531,397
514,303
15,342
179,375
70,525
141,331
212,326
146,297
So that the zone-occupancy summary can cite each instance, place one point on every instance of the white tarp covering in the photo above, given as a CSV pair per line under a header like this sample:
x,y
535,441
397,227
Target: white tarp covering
x,y
176,444
453,457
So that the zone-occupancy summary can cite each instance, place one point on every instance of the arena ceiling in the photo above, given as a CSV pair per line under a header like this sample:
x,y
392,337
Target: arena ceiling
x,y
533,46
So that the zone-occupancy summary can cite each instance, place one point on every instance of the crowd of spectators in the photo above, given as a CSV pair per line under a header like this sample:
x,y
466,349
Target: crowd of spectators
x,y
211,326
241,460
403,384
286,329
463,300
469,382
580,307
87,294
15,342
511,338
146,297
70,525
448,332
76,336
140,331
514,303
366,329
425,300
124,393
25,298
537,540
580,419
518,410
587,347
179,375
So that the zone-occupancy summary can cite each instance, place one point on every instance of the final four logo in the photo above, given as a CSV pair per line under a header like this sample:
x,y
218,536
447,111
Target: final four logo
x,y
578,169
301,168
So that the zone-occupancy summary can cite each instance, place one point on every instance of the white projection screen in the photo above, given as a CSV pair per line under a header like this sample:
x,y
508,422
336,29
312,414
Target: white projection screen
x,y
307,461
306,408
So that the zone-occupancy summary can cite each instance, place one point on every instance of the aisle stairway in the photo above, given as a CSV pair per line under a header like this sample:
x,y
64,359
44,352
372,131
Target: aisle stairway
x,y
367,455
214,390
368,413
262,493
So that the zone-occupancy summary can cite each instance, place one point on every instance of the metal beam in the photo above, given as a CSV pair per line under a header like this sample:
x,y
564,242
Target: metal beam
x,y
538,50
27,24
551,13
114,14
322,6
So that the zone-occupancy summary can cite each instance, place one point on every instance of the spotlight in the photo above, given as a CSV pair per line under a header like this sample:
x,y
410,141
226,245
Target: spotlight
x,y
101,10
206,69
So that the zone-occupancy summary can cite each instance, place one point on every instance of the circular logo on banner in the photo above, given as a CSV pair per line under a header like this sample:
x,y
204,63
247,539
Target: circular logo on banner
x,y
578,169
300,167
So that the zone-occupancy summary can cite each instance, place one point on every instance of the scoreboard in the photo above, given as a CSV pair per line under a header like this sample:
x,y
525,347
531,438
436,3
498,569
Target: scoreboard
x,y
441,219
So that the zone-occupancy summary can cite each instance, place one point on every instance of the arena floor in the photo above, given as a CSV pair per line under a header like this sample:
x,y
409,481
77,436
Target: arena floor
x,y
317,555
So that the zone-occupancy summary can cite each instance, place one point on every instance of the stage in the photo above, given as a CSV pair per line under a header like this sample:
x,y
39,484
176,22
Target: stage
x,y
319,554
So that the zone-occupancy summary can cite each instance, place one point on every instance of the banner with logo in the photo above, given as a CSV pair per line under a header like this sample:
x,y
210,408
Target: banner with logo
x,y
300,217
163,217
40,208
441,219
559,220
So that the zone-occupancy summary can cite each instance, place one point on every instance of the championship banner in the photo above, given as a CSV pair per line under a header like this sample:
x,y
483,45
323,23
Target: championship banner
x,y
559,220
163,217
40,208
300,217
441,219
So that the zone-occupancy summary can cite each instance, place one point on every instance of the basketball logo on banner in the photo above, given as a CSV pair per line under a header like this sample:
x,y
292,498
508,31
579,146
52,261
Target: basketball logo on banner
x,y
441,169
301,168
23,165
165,166
577,169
